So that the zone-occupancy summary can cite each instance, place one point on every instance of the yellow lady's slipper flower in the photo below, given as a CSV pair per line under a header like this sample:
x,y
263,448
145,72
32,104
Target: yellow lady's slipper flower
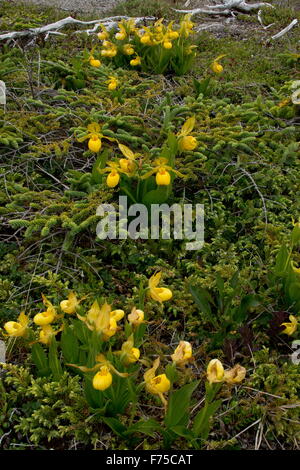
x,y
167,45
135,354
186,26
158,27
235,375
170,32
111,329
111,52
44,318
110,49
117,314
136,317
47,333
103,34
186,141
128,353
70,305
95,137
127,164
114,170
163,177
136,61
95,144
18,328
182,353
121,35
128,49
157,385
146,40
112,83
215,371
290,327
47,317
215,66
94,62
161,294
99,319
113,179
103,379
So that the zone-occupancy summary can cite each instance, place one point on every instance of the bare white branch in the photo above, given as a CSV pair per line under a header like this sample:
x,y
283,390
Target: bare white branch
x,y
227,7
107,22
285,30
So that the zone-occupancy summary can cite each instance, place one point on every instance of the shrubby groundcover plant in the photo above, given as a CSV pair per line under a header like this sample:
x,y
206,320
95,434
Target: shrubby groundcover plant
x,y
106,338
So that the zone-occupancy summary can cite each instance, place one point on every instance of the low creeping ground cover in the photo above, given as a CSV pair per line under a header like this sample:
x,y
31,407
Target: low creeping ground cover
x,y
104,338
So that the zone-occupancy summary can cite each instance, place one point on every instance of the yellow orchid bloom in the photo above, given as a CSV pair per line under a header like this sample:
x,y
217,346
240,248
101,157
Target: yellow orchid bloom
x,y
167,44
290,327
215,371
103,34
122,34
158,26
69,306
47,333
117,314
235,375
136,317
94,62
162,170
47,317
95,137
114,170
136,61
182,353
129,354
157,384
128,49
99,319
186,141
128,164
103,379
112,83
161,294
170,31
215,66
17,328
147,39
110,50
186,26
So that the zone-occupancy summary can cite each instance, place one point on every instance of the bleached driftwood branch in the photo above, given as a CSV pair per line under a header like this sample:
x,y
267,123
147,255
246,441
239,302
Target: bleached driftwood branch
x,y
54,27
227,8
259,17
285,30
